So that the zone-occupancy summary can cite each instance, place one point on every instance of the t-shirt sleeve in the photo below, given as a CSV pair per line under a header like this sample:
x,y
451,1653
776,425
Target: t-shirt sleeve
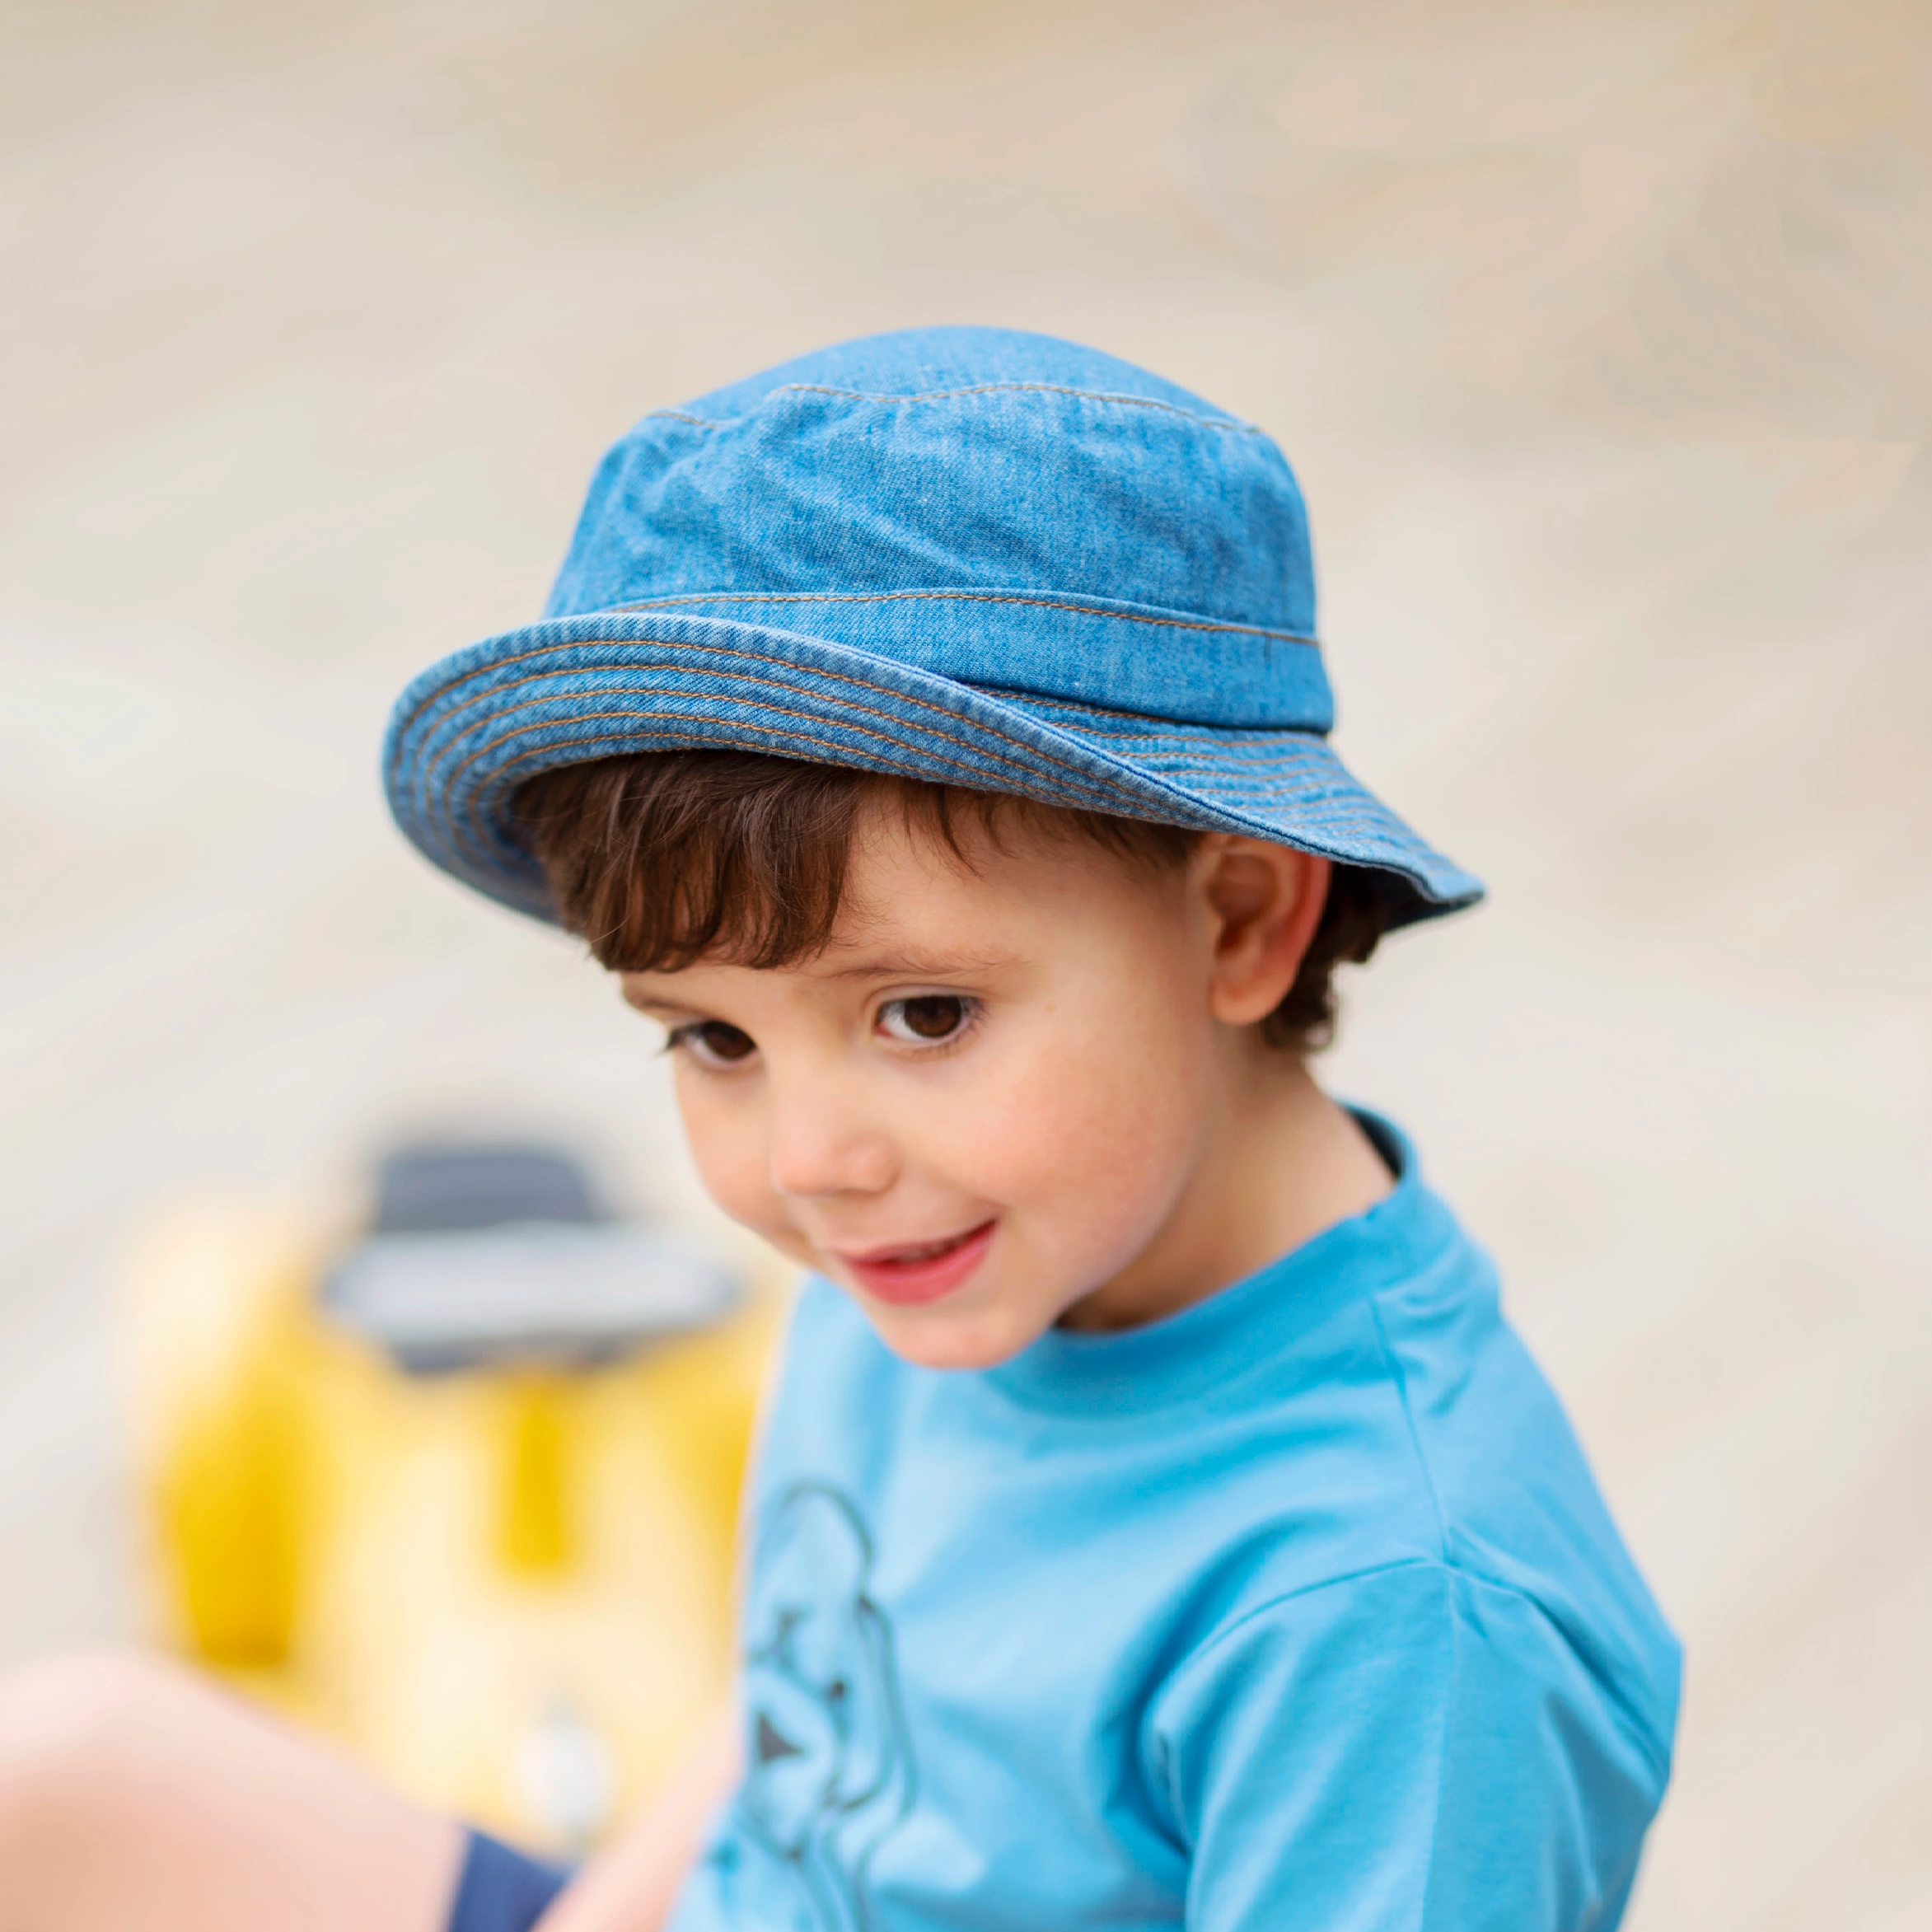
x,y
1412,1750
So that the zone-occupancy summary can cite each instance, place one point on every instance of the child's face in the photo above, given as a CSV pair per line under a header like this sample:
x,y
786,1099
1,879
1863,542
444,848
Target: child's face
x,y
997,1094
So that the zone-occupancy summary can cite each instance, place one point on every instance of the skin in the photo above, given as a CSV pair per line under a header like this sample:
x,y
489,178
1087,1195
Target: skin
x,y
1106,1105
134,1797
1037,1044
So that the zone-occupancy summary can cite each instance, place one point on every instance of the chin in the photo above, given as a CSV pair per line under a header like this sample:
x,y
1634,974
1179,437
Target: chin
x,y
935,1340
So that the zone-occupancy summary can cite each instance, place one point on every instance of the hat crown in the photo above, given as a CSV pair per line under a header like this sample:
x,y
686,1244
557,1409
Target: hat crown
x,y
999,507
964,556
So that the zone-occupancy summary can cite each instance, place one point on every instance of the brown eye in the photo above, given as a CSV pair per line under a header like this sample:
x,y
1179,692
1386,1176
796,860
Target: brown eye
x,y
713,1044
925,1019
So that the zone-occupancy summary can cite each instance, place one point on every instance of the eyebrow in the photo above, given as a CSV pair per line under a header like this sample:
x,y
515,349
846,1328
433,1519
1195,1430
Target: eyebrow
x,y
648,1001
900,965
879,965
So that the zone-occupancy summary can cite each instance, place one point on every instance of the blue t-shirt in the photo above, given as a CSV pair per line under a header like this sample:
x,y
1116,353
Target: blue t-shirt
x,y
1297,1609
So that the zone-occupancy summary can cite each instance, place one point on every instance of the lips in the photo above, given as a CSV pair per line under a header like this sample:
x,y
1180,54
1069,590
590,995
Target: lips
x,y
915,1272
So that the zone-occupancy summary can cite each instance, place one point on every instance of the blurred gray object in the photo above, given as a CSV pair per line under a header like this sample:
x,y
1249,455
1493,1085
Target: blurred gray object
x,y
503,1252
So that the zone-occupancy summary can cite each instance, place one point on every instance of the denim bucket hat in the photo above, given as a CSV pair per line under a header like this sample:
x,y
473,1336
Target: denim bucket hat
x,y
974,556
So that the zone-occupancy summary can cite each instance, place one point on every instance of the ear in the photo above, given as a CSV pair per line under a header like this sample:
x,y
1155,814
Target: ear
x,y
1264,902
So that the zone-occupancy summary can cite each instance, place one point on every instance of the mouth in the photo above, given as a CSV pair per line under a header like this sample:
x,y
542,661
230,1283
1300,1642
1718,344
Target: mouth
x,y
914,1272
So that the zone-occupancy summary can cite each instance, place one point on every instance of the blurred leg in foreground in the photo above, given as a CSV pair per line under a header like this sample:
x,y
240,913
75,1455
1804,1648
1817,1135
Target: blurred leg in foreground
x,y
136,1798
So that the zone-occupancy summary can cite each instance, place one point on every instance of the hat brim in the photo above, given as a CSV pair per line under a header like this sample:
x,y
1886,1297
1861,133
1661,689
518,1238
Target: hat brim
x,y
475,726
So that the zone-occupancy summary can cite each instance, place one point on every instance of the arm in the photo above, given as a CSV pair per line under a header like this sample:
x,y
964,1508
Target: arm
x,y
1411,1747
135,1797
630,1886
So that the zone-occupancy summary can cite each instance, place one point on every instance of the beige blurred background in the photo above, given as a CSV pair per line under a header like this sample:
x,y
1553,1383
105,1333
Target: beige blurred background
x,y
1600,335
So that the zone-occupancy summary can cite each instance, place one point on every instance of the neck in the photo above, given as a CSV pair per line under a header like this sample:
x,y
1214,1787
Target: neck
x,y
1280,1164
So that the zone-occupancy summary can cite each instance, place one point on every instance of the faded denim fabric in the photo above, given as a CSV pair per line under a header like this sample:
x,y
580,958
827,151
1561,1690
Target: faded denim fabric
x,y
971,555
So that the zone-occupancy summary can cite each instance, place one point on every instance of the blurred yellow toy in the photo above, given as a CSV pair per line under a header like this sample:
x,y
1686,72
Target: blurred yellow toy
x,y
462,1494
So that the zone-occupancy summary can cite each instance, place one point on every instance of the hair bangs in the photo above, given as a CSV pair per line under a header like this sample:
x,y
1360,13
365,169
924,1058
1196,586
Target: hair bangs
x,y
660,860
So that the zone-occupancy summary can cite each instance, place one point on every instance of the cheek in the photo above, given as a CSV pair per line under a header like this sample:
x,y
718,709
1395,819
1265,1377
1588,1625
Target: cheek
x,y
722,1127
1095,1132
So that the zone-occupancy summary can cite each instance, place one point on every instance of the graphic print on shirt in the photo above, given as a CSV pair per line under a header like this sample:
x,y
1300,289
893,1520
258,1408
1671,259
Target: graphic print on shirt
x,y
829,1776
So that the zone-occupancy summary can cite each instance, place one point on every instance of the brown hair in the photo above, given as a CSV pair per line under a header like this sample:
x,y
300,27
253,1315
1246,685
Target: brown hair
x,y
660,859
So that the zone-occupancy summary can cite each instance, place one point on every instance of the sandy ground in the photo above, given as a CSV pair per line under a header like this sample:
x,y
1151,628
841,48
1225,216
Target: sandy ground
x,y
1598,334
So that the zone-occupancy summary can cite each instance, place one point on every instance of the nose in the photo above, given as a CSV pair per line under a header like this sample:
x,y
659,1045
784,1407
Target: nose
x,y
823,1143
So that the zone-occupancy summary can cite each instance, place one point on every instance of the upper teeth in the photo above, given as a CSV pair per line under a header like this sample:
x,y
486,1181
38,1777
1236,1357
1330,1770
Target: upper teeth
x,y
927,1250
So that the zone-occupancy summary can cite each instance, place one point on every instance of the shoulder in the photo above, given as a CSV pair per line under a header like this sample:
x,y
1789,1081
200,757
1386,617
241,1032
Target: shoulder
x,y
1520,1516
1419,1490
1461,1533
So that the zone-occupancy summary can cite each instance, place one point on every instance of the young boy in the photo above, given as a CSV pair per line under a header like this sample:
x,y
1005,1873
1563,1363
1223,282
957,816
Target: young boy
x,y
1155,1523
